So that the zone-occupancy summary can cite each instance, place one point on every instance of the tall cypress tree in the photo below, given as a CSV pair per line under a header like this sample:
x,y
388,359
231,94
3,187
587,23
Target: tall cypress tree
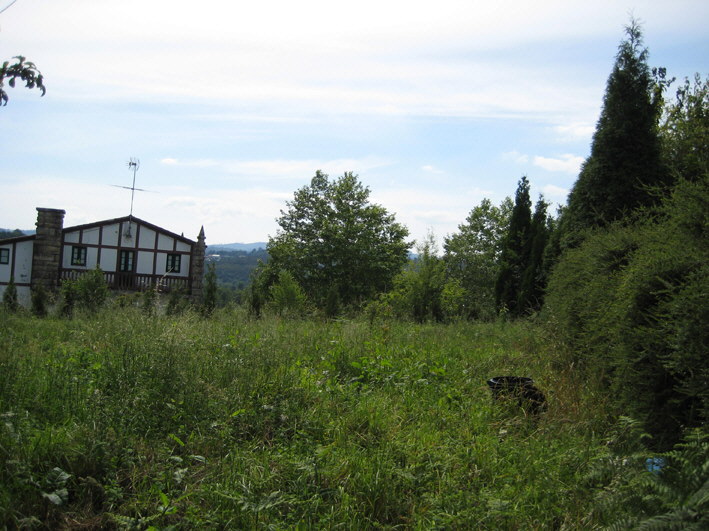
x,y
625,162
531,291
515,252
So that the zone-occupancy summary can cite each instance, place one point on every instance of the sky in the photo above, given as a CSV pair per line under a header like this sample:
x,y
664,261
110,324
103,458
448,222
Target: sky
x,y
230,107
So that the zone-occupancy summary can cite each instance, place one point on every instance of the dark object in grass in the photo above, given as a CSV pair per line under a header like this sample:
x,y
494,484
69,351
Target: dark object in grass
x,y
529,398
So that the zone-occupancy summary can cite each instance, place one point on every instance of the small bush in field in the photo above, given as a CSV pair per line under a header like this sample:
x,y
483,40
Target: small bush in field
x,y
9,297
40,300
88,293
286,296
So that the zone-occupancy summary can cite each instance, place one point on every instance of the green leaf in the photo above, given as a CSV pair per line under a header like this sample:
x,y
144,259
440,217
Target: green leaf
x,y
58,497
176,439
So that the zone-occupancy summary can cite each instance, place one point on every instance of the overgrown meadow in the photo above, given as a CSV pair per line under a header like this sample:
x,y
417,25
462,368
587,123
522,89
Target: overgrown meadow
x,y
127,420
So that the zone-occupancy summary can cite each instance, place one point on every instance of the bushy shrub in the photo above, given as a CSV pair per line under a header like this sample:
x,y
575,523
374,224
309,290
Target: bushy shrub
x,y
177,302
88,293
9,297
40,300
286,296
210,290
631,300
332,302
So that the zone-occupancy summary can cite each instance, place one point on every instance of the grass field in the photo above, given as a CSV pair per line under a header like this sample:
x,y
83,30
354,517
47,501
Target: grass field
x,y
132,421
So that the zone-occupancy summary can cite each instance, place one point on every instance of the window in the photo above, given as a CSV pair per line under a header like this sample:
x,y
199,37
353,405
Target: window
x,y
78,256
125,264
4,256
173,263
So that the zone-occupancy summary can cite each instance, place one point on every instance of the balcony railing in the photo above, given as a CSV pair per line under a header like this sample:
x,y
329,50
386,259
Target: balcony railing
x,y
134,281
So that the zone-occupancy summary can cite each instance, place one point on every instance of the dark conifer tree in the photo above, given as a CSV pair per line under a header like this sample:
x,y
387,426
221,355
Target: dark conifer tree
x,y
624,169
533,280
515,251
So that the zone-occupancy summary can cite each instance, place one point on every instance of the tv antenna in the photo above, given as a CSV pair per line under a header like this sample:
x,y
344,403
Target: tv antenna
x,y
133,165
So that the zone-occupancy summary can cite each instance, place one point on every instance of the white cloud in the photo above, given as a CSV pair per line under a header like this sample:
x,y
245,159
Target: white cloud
x,y
575,131
516,156
564,163
282,168
392,57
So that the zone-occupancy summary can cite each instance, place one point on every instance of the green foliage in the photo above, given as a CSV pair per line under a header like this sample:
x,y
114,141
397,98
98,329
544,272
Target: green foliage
x,y
26,71
685,131
418,290
9,297
624,169
286,297
330,234
638,490
210,289
39,300
332,302
68,294
520,281
89,293
632,302
177,302
453,300
149,301
472,258
534,276
425,283
92,290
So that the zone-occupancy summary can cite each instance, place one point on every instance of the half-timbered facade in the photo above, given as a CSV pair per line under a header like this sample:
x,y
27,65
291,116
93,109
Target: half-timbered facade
x,y
133,255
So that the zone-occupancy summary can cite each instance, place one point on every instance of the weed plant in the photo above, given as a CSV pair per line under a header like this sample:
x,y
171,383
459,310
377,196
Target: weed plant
x,y
130,420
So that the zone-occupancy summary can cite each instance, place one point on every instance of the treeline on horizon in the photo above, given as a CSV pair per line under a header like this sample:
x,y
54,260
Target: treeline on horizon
x,y
7,233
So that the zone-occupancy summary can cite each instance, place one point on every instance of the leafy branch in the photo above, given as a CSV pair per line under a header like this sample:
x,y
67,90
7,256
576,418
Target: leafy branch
x,y
25,70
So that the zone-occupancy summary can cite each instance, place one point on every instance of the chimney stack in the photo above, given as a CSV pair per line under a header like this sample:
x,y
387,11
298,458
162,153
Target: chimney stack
x,y
46,256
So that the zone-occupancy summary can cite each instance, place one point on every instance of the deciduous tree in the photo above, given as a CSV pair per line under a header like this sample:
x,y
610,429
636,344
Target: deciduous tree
x,y
472,256
331,235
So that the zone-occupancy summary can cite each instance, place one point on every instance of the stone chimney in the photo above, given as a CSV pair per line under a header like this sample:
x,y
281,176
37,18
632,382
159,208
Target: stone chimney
x,y
47,252
197,274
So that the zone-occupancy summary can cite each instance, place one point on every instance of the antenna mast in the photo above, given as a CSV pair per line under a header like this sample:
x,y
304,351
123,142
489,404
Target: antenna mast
x,y
133,164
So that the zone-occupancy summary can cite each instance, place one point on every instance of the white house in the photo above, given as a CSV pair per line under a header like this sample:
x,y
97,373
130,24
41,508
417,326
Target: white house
x,y
132,253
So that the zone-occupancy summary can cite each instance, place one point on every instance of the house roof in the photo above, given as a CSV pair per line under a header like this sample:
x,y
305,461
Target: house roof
x,y
134,220
15,239
108,222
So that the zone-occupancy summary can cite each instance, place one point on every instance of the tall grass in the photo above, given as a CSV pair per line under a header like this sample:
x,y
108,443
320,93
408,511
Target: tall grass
x,y
128,420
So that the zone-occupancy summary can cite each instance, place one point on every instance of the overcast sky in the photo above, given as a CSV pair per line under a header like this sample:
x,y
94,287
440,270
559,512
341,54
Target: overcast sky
x,y
232,106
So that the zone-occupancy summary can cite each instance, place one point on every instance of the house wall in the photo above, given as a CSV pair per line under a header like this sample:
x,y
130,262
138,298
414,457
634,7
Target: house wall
x,y
19,267
103,244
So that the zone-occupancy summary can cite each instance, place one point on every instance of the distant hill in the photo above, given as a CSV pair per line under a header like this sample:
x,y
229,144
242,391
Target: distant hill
x,y
14,233
234,268
248,247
